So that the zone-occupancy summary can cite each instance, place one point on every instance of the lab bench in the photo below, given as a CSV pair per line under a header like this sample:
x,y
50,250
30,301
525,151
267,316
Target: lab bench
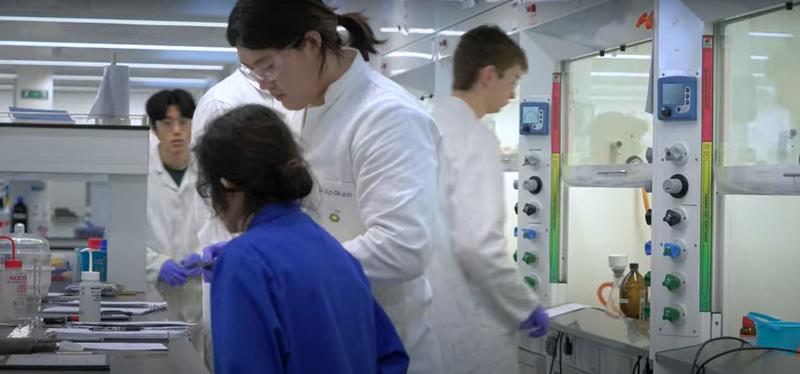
x,y
592,342
181,358
746,362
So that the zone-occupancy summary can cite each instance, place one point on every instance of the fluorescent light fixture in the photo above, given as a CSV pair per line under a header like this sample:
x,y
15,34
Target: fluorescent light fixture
x,y
626,57
8,76
616,98
6,87
759,75
618,74
617,87
772,34
426,56
94,64
397,72
422,31
759,58
452,33
112,21
143,47
94,89
132,79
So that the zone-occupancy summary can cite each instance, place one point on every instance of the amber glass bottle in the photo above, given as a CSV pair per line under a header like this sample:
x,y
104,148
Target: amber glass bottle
x,y
633,294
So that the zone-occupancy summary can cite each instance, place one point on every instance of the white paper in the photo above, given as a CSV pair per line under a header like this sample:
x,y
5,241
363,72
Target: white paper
x,y
83,333
125,304
76,310
564,309
124,346
175,324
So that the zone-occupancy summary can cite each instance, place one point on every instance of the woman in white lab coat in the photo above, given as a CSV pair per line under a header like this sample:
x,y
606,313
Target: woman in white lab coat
x,y
172,233
370,144
481,299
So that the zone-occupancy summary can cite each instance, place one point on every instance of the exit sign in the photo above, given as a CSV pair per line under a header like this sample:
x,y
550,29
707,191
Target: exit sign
x,y
35,94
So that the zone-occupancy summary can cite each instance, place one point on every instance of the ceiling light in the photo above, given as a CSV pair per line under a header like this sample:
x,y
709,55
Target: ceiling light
x,y
426,56
452,33
112,21
6,87
759,58
772,34
626,57
616,74
8,76
131,79
145,47
103,64
397,72
759,75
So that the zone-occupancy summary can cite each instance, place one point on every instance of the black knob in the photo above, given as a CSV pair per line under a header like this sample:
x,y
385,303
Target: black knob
x,y
673,218
666,112
516,206
648,217
530,209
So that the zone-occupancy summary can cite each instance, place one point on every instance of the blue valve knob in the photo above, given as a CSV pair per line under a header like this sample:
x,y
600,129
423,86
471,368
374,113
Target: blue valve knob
x,y
516,232
672,250
648,248
529,234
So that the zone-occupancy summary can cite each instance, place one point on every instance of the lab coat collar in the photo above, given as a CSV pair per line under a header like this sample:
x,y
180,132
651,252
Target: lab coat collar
x,y
158,166
274,211
356,71
456,103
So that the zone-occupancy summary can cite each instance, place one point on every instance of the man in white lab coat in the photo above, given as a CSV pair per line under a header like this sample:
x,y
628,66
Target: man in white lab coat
x,y
480,298
172,233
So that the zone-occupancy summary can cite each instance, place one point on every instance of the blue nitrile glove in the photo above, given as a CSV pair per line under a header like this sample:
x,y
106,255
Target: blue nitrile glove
x,y
210,256
172,273
537,324
193,264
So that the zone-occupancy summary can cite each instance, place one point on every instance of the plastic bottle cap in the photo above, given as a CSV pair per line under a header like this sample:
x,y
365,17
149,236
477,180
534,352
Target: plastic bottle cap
x,y
747,322
20,200
104,245
13,264
90,276
94,243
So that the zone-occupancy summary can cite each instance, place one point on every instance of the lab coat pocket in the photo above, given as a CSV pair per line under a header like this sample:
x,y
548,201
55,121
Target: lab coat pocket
x,y
337,210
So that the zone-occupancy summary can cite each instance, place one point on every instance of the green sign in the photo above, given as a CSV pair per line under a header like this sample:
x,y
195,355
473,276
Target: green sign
x,y
35,94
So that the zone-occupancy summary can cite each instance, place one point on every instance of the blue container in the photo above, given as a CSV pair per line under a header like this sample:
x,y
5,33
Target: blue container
x,y
774,333
99,263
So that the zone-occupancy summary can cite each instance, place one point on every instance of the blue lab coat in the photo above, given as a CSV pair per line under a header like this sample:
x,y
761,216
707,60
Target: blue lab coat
x,y
288,298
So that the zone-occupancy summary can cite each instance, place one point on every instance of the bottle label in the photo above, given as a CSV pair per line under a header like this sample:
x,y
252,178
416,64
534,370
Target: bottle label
x,y
623,301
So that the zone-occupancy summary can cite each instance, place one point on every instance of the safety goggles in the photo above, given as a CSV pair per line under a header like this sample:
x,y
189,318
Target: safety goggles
x,y
268,70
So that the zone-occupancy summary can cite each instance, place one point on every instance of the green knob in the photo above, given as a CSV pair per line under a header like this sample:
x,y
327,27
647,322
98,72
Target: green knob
x,y
529,258
531,281
672,282
671,314
647,279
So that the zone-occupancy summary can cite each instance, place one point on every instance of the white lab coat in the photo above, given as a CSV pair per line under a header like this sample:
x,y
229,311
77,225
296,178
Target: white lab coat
x,y
480,295
172,234
373,152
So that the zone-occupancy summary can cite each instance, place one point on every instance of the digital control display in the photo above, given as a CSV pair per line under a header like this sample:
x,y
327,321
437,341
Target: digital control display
x,y
534,118
677,98
673,94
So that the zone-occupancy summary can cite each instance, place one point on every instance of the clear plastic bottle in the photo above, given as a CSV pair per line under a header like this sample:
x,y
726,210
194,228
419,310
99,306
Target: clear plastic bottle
x,y
90,293
34,252
13,288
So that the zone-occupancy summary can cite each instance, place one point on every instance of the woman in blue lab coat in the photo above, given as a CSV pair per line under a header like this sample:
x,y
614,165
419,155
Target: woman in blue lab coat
x,y
286,297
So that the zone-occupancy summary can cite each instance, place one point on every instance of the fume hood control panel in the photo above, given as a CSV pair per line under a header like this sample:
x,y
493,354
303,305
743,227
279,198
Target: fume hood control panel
x,y
677,98
534,118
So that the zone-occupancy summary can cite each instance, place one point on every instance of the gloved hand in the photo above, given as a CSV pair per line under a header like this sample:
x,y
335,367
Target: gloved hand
x,y
537,324
193,264
172,273
210,256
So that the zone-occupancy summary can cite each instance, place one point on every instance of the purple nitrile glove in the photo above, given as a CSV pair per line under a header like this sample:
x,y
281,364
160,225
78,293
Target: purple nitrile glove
x,y
210,256
537,324
172,273
193,264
